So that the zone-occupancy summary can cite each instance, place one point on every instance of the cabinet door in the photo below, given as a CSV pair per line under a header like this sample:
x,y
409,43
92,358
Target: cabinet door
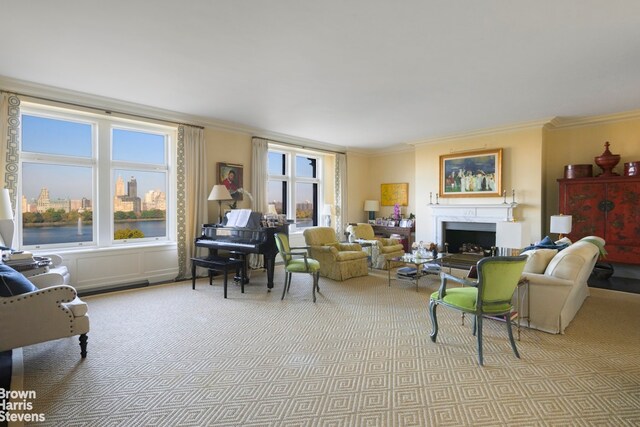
x,y
623,221
584,202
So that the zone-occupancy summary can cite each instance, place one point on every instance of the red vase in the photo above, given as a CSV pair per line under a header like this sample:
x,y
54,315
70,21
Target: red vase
x,y
607,161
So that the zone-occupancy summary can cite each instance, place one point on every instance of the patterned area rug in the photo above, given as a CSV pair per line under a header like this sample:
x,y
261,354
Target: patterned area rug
x,y
168,355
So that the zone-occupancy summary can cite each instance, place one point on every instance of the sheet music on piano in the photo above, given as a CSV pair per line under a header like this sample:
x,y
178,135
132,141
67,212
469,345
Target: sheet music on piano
x,y
238,218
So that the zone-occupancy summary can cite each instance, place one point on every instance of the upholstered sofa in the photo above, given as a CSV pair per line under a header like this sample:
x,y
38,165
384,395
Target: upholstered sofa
x,y
338,261
382,248
558,283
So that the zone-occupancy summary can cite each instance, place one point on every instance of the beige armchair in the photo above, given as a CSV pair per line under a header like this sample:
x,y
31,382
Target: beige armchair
x,y
29,315
558,289
338,261
382,248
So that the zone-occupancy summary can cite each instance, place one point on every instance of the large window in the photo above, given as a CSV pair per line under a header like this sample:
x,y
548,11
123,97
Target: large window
x,y
91,180
295,184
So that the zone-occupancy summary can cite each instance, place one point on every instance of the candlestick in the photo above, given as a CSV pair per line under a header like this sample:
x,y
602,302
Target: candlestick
x,y
513,196
430,194
504,196
437,202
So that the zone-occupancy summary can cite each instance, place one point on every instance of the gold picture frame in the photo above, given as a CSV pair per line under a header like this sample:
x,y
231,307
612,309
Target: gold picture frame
x,y
471,174
390,194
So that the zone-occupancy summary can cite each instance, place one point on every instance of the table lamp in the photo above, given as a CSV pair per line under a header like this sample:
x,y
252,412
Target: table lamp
x,y
372,207
560,224
510,237
6,219
219,192
326,212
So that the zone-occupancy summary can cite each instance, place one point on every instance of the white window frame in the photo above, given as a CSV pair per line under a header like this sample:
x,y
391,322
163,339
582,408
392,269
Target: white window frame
x,y
103,167
292,179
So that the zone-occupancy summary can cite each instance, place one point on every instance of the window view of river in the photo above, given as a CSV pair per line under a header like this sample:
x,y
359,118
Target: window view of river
x,y
72,233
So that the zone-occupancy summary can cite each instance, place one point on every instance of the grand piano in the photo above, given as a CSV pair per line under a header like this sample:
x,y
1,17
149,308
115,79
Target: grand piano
x,y
251,239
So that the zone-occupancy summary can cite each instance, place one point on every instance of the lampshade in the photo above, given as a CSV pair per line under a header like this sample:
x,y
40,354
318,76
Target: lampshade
x,y
6,219
219,192
271,209
371,205
510,235
326,210
560,224
6,212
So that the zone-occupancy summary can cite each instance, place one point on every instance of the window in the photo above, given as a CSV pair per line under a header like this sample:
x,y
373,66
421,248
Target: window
x,y
294,184
91,180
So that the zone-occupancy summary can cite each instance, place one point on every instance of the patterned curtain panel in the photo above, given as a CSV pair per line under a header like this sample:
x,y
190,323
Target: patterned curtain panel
x,y
191,195
259,174
10,142
341,193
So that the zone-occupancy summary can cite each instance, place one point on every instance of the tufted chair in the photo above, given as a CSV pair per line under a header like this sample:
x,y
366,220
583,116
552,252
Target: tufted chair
x,y
382,248
338,261
29,315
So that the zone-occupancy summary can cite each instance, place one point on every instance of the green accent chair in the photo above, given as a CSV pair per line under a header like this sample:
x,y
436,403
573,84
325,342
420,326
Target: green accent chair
x,y
296,265
490,295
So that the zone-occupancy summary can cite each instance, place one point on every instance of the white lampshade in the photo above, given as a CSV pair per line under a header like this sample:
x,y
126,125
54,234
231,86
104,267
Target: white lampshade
x,y
560,224
326,210
219,192
271,209
510,235
371,206
6,212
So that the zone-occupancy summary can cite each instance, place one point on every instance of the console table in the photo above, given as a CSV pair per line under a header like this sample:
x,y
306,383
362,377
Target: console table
x,y
405,232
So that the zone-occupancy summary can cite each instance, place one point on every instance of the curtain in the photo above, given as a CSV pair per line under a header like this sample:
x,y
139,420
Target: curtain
x,y
260,148
9,143
191,195
341,193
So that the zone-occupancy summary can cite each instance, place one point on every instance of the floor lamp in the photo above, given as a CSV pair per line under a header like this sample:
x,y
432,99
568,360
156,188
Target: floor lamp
x,y
219,192
6,220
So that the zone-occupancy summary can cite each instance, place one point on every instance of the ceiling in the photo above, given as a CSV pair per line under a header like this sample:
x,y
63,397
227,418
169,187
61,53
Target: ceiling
x,y
351,73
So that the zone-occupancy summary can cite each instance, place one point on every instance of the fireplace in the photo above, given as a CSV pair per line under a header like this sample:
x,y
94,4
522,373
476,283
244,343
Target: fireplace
x,y
469,237
460,224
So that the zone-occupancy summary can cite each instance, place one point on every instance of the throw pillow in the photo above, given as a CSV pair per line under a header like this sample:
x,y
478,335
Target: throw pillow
x,y
538,259
13,283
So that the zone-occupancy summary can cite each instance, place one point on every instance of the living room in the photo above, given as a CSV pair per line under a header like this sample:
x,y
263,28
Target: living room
x,y
386,95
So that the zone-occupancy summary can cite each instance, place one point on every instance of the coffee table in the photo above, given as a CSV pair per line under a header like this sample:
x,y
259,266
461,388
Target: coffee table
x,y
418,263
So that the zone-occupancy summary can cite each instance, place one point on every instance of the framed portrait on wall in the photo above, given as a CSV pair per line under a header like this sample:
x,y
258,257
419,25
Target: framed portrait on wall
x,y
471,174
230,175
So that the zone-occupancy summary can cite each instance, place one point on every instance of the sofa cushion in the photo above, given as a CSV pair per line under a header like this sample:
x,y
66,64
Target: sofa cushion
x,y
538,260
13,283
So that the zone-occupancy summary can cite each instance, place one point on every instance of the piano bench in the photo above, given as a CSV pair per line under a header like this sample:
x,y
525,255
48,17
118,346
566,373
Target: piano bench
x,y
220,264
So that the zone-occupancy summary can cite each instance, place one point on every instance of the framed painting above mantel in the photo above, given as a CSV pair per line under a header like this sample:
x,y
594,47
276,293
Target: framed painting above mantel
x,y
471,174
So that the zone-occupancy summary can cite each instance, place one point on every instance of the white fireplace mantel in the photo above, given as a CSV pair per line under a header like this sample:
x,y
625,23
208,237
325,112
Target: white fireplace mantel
x,y
487,213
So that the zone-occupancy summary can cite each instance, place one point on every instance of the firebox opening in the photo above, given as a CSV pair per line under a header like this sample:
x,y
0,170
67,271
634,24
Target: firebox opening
x,y
469,237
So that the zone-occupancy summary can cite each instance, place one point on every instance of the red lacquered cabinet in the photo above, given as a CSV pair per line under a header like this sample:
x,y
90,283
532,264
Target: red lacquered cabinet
x,y
606,207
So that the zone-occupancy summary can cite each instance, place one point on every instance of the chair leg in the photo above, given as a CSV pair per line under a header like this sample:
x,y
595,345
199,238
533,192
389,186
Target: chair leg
x,y
317,274
315,283
83,345
474,326
434,320
510,331
289,285
478,323
284,290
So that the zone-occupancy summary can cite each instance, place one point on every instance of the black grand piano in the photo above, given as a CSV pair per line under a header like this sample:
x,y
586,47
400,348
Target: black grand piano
x,y
252,239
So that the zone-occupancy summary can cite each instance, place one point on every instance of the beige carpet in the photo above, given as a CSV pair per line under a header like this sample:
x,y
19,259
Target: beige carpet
x,y
360,356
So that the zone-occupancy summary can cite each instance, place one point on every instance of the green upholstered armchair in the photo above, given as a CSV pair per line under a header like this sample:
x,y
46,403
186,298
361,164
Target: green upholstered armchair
x,y
338,261
490,295
296,262
382,248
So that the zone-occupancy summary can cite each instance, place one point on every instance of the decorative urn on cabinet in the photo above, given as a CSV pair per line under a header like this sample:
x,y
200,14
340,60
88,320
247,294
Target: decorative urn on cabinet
x,y
607,161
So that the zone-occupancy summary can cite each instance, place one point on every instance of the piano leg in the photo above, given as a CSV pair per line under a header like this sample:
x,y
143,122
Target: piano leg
x,y
270,262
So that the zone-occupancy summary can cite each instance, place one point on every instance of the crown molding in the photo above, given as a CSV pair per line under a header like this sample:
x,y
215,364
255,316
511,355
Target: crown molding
x,y
106,104
579,121
537,124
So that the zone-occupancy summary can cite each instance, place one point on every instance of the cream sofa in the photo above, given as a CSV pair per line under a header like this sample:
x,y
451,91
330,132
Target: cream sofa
x,y
382,248
338,261
558,283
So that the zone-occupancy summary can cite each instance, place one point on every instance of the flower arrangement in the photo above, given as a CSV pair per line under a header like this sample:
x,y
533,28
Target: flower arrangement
x,y
396,211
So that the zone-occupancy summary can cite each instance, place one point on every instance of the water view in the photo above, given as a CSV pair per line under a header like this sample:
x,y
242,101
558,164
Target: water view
x,y
73,234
